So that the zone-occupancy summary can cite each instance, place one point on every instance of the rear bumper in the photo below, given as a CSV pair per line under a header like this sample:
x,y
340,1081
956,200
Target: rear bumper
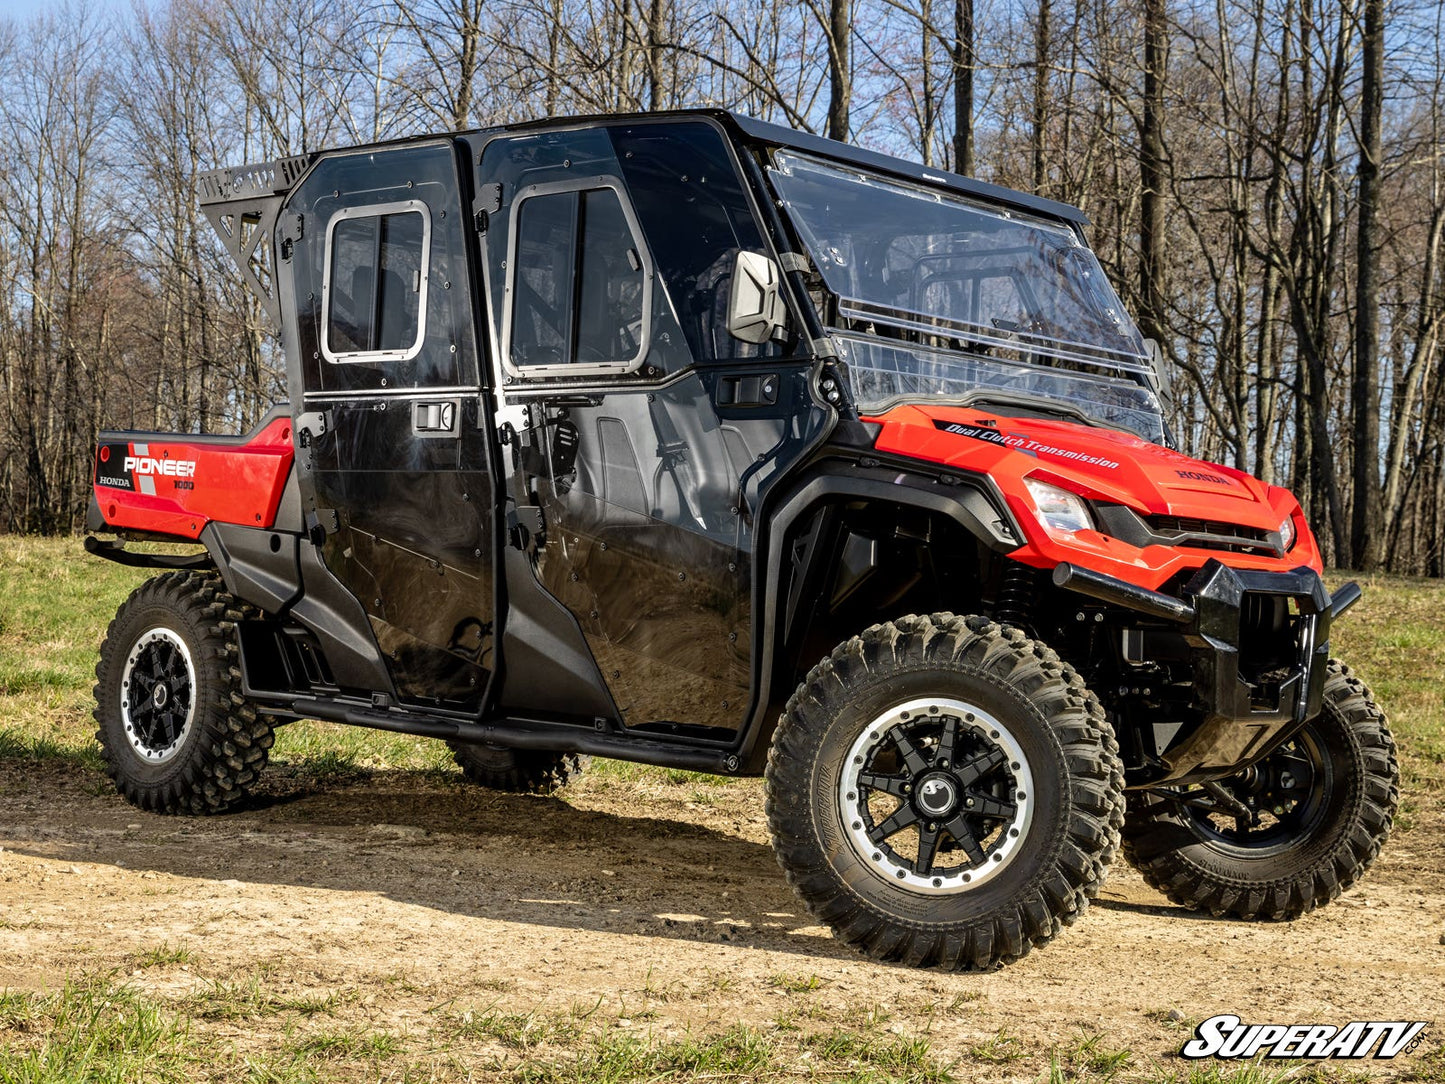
x,y
1243,715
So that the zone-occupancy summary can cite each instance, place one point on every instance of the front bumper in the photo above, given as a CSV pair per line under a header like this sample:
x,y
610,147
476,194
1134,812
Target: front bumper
x,y
1242,714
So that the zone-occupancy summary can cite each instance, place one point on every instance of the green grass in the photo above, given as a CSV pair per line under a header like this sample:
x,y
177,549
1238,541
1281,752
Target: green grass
x,y
91,1032
741,1054
164,955
347,1045
251,998
514,1030
796,984
55,604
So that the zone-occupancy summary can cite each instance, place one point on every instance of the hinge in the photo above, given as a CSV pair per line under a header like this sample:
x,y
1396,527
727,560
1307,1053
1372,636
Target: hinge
x,y
292,229
312,424
526,526
488,202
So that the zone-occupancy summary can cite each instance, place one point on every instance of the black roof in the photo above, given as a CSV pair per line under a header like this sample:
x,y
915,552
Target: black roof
x,y
226,185
780,136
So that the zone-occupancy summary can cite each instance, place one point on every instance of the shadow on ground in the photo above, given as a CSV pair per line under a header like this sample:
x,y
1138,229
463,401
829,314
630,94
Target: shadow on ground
x,y
426,839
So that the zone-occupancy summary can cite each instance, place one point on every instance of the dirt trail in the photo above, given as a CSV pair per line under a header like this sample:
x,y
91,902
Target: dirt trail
x,y
650,900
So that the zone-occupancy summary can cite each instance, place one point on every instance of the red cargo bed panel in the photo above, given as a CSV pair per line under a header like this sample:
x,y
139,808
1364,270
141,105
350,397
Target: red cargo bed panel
x,y
175,484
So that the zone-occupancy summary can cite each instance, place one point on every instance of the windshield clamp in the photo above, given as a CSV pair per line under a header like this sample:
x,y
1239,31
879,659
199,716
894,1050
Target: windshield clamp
x,y
823,348
795,261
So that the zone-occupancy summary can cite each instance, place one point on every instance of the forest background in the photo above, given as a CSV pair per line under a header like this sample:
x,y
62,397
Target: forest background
x,y
1264,179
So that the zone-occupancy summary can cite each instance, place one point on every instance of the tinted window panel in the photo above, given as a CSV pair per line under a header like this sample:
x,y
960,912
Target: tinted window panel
x,y
609,323
578,290
542,314
376,280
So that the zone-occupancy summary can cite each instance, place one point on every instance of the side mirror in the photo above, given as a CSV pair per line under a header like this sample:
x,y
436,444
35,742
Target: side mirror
x,y
755,303
1163,375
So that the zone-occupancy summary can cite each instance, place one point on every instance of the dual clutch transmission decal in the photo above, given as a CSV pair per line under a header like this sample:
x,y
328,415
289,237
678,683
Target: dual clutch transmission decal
x,y
1021,443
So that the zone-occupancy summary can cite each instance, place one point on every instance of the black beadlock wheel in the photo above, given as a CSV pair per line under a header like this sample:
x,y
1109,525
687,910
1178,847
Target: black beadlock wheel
x,y
175,732
521,771
1318,811
944,791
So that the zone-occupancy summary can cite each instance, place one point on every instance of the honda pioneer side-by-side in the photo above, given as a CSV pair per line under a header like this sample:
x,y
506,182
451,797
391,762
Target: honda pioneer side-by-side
x,y
696,441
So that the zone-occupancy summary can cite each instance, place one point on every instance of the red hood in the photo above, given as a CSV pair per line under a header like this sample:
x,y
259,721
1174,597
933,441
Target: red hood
x,y
1102,465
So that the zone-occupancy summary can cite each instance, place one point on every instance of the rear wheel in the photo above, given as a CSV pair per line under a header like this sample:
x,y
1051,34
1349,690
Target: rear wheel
x,y
523,771
1288,834
176,734
944,791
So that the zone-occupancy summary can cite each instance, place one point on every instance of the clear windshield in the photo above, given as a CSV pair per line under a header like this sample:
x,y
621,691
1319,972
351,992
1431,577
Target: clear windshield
x,y
933,274
884,373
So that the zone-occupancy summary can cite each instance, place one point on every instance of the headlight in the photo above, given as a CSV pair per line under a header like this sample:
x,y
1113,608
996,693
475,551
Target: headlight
x,y
1287,534
1059,510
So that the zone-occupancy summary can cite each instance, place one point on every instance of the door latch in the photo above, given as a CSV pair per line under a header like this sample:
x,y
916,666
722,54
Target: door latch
x,y
434,418
752,390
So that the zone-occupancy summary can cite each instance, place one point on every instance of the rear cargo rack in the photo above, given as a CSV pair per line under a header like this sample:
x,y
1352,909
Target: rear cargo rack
x,y
241,204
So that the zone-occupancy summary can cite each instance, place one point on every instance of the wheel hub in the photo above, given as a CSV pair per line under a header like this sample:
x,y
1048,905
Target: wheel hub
x,y
157,695
936,795
1284,794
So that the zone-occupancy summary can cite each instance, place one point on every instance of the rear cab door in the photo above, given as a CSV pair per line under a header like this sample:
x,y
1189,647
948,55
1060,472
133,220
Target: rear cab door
x,y
393,427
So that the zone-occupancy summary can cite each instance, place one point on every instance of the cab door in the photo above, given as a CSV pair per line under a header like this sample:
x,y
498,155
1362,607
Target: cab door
x,y
398,488
638,434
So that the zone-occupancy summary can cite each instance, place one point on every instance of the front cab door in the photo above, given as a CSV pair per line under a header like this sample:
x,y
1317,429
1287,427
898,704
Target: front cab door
x,y
640,434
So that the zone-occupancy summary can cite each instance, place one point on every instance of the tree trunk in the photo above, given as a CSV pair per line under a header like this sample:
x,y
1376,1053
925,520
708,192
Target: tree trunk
x,y
1367,513
963,62
1151,173
840,75
1041,92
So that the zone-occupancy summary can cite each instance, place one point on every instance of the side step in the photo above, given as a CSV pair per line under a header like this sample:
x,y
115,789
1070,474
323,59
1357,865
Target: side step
x,y
520,733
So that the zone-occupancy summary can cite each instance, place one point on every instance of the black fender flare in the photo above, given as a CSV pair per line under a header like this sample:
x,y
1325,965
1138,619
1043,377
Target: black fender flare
x,y
972,500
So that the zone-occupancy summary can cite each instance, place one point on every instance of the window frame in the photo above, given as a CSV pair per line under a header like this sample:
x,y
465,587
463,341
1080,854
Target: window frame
x,y
376,210
594,183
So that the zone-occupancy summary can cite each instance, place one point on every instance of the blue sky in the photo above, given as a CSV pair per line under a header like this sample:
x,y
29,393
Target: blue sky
x,y
24,9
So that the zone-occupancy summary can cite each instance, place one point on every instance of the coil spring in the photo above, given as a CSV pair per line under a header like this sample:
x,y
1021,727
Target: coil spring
x,y
1016,596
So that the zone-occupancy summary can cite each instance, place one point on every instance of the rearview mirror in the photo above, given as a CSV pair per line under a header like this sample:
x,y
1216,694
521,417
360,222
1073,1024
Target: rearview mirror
x,y
755,303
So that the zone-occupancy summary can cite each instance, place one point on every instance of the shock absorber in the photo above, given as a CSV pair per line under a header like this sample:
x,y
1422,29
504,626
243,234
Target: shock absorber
x,y
1017,593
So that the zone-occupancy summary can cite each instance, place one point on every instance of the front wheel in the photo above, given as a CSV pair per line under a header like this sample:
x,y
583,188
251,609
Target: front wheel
x,y
945,792
1289,833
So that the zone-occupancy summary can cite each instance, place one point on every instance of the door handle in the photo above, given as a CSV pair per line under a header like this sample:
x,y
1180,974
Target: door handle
x,y
748,391
435,419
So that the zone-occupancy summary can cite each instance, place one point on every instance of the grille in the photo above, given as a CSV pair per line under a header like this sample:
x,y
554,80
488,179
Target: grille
x,y
1211,534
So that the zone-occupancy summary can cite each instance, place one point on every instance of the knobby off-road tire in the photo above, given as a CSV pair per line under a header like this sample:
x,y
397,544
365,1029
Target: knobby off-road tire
x,y
993,757
521,771
1337,786
175,732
